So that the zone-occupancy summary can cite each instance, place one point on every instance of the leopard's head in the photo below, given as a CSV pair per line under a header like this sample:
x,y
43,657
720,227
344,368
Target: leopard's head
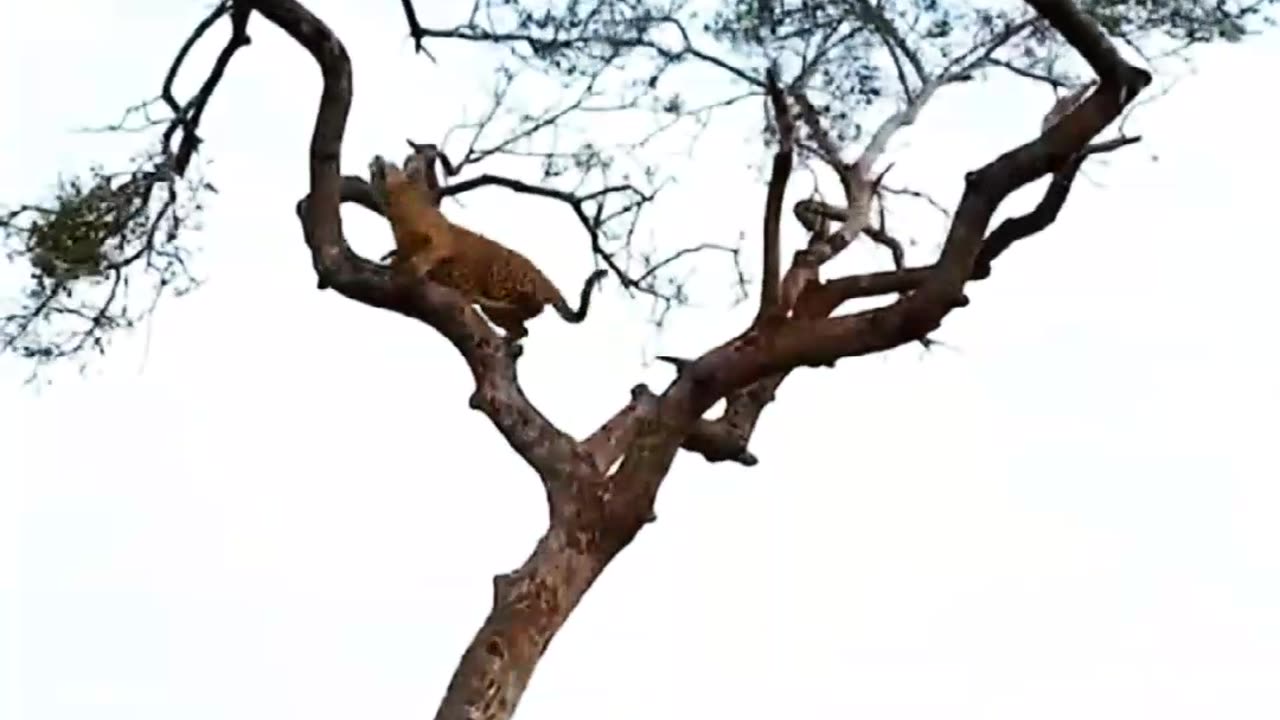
x,y
385,179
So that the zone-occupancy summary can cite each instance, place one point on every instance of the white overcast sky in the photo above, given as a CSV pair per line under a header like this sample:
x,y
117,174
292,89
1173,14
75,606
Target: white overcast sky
x,y
272,502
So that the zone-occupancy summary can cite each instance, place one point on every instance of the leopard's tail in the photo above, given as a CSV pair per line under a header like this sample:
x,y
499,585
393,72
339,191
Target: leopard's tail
x,y
584,301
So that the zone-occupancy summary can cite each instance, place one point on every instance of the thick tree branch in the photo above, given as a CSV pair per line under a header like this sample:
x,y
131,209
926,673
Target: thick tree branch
x,y
721,440
531,603
1064,105
761,361
781,172
1085,35
608,443
497,393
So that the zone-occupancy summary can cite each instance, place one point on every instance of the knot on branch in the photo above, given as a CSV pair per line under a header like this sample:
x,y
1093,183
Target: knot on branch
x,y
680,364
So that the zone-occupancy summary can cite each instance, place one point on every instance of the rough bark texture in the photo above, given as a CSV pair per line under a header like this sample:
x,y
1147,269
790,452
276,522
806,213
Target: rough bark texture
x,y
594,513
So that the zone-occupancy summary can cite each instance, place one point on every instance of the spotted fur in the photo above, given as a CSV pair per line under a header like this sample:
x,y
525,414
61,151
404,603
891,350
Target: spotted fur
x,y
508,288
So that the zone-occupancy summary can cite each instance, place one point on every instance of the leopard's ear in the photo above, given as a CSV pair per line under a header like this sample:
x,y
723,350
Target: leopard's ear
x,y
385,171
378,180
415,168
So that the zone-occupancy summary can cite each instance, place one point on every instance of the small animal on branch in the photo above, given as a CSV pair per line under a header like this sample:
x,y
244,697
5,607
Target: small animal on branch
x,y
506,286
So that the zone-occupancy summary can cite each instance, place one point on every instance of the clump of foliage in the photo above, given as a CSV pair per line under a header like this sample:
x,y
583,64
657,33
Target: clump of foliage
x,y
104,249
90,249
80,234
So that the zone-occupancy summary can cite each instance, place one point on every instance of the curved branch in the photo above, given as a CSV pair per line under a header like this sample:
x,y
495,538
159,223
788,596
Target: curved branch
x,y
497,393
822,342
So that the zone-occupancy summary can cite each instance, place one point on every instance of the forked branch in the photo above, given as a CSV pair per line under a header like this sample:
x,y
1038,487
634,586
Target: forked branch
x,y
823,298
931,292
587,527
497,393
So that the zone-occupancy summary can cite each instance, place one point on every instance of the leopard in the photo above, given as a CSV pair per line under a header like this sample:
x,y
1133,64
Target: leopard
x,y
507,287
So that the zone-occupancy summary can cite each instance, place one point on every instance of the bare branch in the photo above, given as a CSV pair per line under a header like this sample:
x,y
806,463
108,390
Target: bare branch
x,y
642,27
588,209
1051,81
533,122
187,116
896,44
610,214
919,195
411,16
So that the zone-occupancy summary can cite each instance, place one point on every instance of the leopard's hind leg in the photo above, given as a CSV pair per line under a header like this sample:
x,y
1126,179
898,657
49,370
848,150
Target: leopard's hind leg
x,y
498,306
510,318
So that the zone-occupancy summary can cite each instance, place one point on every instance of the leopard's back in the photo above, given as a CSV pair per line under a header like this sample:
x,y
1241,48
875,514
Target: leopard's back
x,y
484,268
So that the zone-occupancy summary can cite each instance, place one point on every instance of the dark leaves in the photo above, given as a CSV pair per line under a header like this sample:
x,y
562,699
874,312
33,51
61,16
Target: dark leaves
x,y
89,250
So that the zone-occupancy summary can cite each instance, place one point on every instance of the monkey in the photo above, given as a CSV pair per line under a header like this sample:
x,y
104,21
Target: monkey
x,y
506,286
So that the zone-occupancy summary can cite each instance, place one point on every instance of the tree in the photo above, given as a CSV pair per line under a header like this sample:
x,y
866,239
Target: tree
x,y
818,64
